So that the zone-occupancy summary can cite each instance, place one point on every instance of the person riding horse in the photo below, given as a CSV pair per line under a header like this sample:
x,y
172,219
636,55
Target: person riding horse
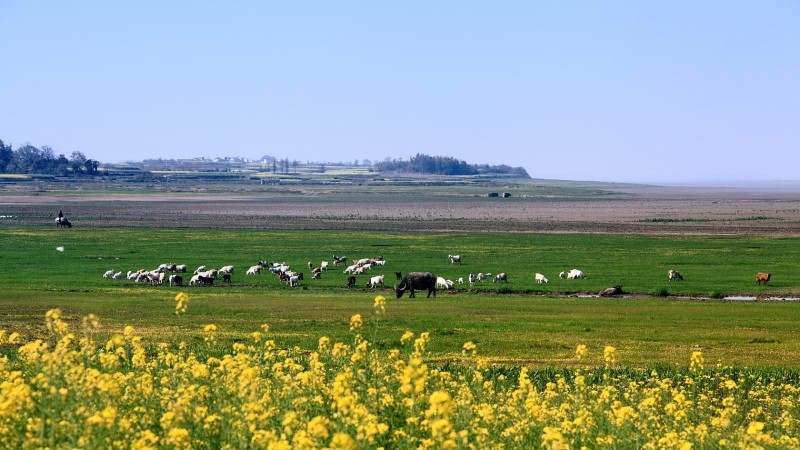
x,y
62,221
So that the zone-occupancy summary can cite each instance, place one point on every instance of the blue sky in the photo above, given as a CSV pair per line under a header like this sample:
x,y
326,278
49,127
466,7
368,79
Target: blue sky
x,y
583,90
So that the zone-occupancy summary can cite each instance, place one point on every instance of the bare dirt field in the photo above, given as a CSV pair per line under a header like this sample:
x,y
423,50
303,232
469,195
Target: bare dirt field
x,y
759,210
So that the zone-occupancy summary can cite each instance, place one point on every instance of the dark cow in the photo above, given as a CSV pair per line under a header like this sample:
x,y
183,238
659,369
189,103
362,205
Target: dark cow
x,y
612,291
761,276
417,280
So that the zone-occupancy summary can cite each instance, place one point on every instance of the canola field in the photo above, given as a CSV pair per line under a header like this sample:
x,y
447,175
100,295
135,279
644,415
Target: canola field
x,y
88,362
72,390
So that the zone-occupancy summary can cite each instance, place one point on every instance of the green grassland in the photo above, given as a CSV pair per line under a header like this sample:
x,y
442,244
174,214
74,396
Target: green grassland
x,y
520,321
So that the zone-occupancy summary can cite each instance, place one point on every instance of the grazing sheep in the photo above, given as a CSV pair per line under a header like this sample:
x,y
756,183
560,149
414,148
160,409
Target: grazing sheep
x,y
472,279
108,273
398,275
117,276
575,274
351,282
502,276
674,275
254,270
612,291
375,281
442,283
226,269
454,259
763,277
483,276
460,280
180,268
203,280
540,278
323,265
175,280
226,277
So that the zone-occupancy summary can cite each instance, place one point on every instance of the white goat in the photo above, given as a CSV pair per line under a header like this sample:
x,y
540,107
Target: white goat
x,y
443,284
574,274
254,270
375,281
540,278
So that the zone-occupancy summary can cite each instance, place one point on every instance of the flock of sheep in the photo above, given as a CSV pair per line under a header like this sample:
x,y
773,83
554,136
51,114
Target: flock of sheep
x,y
206,277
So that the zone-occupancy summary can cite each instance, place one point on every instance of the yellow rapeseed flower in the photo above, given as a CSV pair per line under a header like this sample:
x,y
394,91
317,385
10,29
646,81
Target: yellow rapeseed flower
x,y
581,351
469,348
182,303
697,361
91,322
380,304
407,336
210,333
342,441
356,322
610,355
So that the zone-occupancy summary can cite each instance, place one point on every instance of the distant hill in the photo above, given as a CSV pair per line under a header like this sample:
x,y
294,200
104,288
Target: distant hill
x,y
446,165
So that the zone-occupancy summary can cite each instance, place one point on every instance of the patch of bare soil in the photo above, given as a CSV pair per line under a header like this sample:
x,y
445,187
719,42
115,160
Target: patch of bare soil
x,y
641,210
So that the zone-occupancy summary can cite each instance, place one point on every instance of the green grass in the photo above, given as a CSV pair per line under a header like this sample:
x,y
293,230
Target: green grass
x,y
516,322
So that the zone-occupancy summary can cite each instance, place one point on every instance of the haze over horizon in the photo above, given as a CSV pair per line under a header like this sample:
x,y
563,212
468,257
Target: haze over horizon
x,y
614,91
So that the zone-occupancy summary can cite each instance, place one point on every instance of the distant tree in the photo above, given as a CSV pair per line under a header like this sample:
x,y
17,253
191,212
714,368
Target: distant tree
x,y
6,155
26,158
91,166
294,166
77,161
274,166
444,165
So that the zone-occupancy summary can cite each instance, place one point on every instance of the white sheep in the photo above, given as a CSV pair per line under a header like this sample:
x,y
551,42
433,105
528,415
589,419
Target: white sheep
x,y
254,270
108,273
574,274
540,278
117,276
375,281
443,284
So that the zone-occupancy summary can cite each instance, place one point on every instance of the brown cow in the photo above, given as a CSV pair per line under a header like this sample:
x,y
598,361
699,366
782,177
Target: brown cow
x,y
761,276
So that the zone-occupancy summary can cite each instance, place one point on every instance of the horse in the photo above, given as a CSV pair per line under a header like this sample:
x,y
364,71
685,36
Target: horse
x,y
63,222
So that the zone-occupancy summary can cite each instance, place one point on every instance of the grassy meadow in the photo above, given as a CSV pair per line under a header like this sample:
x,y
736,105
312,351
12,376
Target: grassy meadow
x,y
518,322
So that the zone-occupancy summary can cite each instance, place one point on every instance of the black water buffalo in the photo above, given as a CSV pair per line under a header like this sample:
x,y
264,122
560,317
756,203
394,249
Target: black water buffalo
x,y
417,280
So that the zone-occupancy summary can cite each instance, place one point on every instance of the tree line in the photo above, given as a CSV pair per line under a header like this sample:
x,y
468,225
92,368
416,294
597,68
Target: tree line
x,y
446,165
27,159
